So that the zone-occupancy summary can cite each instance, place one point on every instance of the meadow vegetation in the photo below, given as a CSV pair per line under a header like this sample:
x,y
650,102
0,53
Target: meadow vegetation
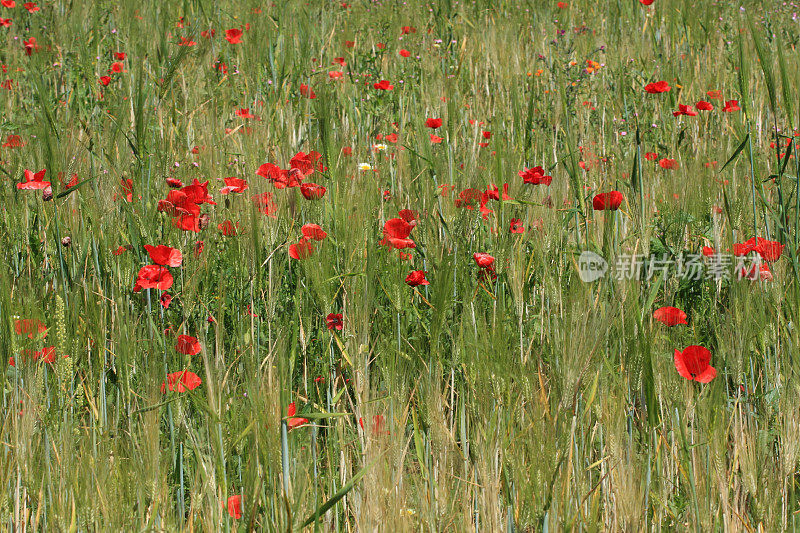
x,y
379,324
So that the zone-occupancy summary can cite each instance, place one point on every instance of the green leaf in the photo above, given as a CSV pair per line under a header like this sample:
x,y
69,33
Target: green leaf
x,y
765,62
322,509
75,188
735,153
317,416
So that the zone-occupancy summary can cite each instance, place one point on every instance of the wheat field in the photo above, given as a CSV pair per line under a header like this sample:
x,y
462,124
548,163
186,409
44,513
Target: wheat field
x,y
483,265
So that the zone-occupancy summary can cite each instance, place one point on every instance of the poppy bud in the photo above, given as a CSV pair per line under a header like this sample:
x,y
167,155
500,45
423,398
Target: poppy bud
x,y
47,193
66,241
203,221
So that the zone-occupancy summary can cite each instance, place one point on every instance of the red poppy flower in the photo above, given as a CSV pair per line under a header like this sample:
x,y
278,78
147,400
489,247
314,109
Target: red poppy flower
x,y
409,216
404,53
684,110
668,164
178,203
235,506
769,250
708,251
233,36
396,232
244,112
349,44
197,193
31,7
651,156
104,80
416,277
740,249
46,355
607,201
334,321
153,277
186,42
693,364
301,250
71,183
339,61
762,272
313,232
647,2
307,163
34,181
228,228
752,274
312,191
127,188
657,87
335,74
483,260
516,226
181,381
383,85
307,91
188,345
8,3
702,105
434,123
294,421
435,139
278,176
731,106
405,30
485,211
30,327
13,141
165,300
117,67
468,197
493,193
398,244
235,185
671,316
535,176
164,255
120,56
378,424
264,204
714,95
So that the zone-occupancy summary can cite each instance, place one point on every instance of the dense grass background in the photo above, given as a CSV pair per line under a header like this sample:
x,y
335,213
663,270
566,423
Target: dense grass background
x,y
532,402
